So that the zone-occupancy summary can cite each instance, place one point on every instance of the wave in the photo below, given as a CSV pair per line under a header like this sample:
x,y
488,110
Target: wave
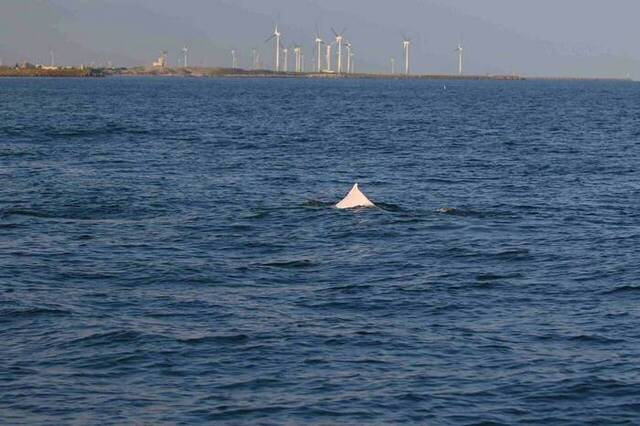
x,y
623,290
496,277
225,339
394,208
477,214
250,384
581,338
593,338
109,337
289,264
7,315
257,215
83,213
17,211
453,211
109,129
317,204
514,254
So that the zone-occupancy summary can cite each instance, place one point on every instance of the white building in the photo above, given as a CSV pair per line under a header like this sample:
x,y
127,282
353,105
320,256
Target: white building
x,y
162,61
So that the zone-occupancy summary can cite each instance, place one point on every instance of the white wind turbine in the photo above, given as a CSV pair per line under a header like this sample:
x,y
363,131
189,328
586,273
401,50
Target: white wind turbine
x,y
254,59
406,44
393,65
234,59
277,35
349,57
339,41
460,51
185,51
318,52
329,45
298,52
285,53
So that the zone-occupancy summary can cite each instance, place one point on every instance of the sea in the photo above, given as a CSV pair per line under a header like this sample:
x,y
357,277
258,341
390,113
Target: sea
x,y
170,253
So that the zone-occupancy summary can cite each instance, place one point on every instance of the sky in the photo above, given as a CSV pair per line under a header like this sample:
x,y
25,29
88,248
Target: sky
x,y
590,38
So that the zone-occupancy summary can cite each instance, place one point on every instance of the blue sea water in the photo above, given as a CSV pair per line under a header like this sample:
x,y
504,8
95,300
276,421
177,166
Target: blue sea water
x,y
169,254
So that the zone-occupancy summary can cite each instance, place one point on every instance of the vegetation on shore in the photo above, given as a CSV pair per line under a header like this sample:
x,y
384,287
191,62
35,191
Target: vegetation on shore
x,y
231,72
44,72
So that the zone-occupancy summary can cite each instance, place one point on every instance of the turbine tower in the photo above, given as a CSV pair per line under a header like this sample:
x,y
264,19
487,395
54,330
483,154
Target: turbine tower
x,y
298,52
318,53
285,59
277,35
393,65
349,56
339,41
185,51
53,58
234,59
254,59
406,43
460,51
329,56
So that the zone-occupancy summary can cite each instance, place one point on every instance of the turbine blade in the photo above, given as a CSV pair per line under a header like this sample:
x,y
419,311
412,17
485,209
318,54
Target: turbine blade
x,y
334,32
270,38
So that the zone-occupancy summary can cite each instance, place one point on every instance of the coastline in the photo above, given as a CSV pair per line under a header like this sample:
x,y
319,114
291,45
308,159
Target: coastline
x,y
210,72
40,72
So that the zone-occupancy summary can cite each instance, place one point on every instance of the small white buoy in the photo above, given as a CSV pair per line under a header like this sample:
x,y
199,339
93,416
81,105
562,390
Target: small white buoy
x,y
355,198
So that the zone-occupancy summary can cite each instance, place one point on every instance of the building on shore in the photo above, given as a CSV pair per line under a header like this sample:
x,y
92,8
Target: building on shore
x,y
162,60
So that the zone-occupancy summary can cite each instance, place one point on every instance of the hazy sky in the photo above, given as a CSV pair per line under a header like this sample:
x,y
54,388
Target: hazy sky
x,y
541,37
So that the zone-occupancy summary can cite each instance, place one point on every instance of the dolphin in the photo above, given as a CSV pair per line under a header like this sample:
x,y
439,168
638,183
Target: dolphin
x,y
355,198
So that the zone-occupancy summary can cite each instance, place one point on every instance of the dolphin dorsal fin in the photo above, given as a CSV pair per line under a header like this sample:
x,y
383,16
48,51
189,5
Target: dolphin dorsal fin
x,y
355,198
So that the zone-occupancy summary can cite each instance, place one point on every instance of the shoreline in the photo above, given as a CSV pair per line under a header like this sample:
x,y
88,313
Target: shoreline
x,y
206,72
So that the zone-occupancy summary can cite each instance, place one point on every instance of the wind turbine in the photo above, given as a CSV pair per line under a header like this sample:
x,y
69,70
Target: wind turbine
x,y
185,50
285,53
393,65
460,51
406,43
298,52
53,60
276,34
349,56
339,40
234,59
254,58
329,45
318,52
